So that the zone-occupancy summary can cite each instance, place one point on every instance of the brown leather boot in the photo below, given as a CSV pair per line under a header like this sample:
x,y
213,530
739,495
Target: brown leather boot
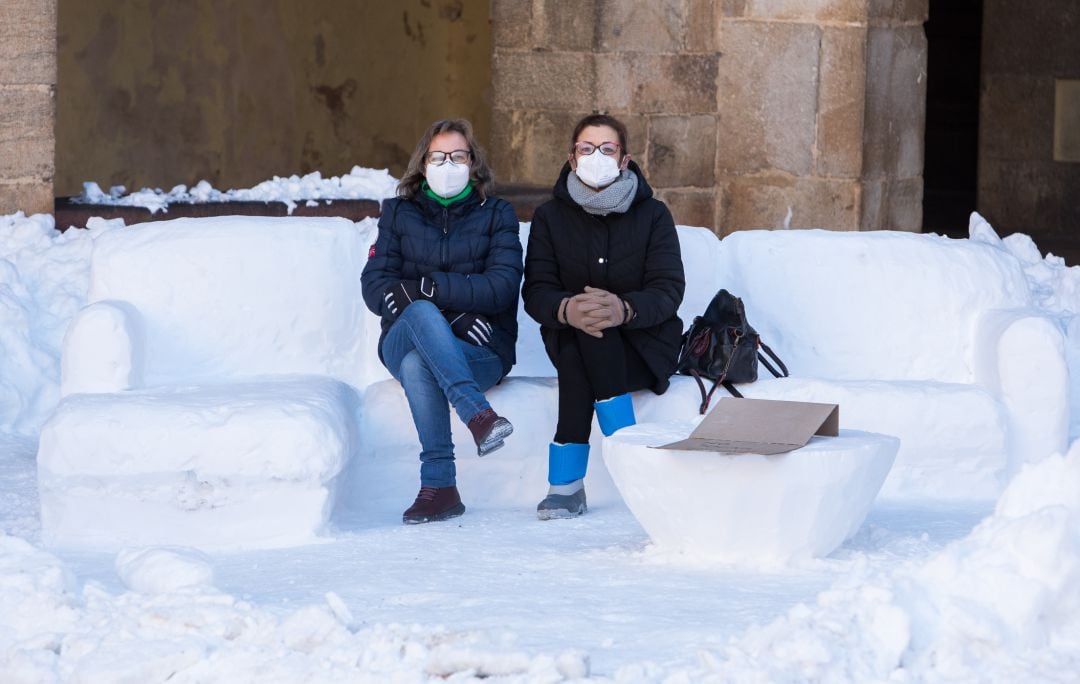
x,y
489,429
434,503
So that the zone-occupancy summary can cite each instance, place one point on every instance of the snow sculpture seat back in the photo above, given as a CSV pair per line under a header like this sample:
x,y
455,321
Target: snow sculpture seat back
x,y
871,306
217,300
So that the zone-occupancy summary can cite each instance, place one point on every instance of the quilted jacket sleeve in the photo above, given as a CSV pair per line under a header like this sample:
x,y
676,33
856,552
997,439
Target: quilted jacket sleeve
x,y
664,283
543,290
383,267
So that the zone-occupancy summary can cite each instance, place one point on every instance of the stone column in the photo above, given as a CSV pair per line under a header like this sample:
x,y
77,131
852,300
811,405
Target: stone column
x,y
743,113
27,105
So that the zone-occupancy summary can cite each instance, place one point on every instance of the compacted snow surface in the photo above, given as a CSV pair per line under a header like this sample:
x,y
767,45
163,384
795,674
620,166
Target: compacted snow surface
x,y
922,592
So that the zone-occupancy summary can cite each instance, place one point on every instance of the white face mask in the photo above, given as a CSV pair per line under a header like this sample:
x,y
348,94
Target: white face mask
x,y
447,179
597,170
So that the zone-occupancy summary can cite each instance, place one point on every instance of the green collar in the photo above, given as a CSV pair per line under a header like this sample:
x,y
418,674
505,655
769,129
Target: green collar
x,y
446,201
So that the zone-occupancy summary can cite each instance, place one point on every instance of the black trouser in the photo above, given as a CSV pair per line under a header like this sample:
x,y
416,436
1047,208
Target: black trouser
x,y
589,369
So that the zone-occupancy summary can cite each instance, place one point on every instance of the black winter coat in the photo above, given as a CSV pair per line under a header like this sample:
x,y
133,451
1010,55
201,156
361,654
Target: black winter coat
x,y
471,250
634,255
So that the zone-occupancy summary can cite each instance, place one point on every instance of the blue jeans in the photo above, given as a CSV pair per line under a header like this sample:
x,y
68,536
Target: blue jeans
x,y
435,367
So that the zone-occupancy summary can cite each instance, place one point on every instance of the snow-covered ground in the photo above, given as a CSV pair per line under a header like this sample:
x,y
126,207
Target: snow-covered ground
x,y
922,592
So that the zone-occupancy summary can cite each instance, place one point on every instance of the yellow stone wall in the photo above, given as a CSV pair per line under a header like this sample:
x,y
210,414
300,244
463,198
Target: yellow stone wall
x,y
157,93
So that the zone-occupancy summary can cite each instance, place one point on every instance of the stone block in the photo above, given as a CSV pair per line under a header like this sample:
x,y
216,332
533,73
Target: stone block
x,y
644,83
904,210
28,41
899,11
31,197
530,146
892,204
1016,117
841,102
510,23
690,207
798,10
635,26
701,17
778,202
767,89
543,80
682,150
564,24
732,8
637,133
26,132
895,120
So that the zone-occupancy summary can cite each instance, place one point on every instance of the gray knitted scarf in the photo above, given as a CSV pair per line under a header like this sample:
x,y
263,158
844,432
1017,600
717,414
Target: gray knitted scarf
x,y
614,199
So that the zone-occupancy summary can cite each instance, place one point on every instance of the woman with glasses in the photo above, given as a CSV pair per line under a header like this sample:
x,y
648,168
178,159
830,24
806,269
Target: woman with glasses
x,y
604,278
444,274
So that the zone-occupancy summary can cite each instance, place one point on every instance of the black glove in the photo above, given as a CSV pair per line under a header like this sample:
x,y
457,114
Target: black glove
x,y
472,328
399,296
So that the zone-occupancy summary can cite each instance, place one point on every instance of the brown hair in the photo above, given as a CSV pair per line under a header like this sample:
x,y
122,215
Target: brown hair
x,y
603,120
479,172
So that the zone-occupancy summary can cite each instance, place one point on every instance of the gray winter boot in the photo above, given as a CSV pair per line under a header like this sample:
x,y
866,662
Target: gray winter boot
x,y
563,501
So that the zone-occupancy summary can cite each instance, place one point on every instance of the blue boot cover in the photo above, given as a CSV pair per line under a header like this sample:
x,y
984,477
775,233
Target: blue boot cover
x,y
567,462
615,414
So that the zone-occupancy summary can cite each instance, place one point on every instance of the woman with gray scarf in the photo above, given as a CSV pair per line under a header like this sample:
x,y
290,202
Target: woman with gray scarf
x,y
604,278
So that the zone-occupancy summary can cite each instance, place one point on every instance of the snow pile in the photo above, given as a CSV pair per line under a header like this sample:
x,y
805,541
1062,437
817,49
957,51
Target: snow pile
x,y
360,183
1002,604
1055,287
160,570
49,631
43,282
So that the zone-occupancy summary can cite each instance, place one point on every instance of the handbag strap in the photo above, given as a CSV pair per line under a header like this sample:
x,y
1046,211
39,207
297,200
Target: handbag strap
x,y
765,362
706,397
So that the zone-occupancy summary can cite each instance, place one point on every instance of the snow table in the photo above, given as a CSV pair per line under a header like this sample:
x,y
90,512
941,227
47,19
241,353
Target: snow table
x,y
748,507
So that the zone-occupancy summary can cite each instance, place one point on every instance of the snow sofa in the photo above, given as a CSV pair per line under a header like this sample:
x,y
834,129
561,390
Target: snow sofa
x,y
921,337
222,386
210,387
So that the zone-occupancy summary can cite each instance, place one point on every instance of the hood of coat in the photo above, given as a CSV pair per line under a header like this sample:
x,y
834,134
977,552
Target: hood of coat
x,y
644,190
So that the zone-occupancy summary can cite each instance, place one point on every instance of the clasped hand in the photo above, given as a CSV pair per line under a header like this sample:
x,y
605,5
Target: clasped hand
x,y
594,310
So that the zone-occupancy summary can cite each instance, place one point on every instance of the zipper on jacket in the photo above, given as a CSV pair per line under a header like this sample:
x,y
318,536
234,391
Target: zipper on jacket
x,y
445,252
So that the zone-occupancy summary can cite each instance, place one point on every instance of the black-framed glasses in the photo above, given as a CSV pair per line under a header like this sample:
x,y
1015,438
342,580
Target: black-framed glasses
x,y
607,148
438,157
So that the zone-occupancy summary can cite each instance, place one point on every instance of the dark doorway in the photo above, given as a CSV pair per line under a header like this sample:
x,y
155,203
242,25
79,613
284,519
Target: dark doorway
x,y
954,43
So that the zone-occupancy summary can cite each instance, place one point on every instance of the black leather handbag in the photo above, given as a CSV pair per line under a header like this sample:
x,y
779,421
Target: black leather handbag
x,y
722,346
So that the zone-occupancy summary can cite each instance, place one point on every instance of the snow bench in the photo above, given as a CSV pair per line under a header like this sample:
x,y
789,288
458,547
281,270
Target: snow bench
x,y
925,338
224,373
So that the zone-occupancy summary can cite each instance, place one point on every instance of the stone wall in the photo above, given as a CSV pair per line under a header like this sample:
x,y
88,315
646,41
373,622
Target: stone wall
x,y
743,113
1026,48
161,93
27,97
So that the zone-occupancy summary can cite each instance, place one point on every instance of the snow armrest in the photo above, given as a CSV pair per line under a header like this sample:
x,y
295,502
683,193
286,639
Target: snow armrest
x,y
102,350
1020,358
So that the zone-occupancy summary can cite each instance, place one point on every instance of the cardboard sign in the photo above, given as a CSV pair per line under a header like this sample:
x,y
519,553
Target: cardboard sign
x,y
760,426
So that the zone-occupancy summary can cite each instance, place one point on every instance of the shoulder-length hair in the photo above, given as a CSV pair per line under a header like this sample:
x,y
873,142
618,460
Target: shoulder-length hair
x,y
479,172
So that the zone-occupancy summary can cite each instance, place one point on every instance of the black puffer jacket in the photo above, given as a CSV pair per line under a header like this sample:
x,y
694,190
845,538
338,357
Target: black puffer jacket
x,y
634,255
471,250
